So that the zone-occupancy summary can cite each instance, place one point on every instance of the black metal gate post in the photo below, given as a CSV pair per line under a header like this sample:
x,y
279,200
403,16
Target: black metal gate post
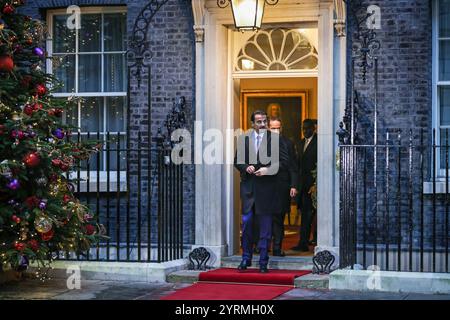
x,y
170,186
349,153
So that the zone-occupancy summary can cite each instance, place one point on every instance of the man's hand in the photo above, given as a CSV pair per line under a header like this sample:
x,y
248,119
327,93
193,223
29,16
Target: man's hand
x,y
293,192
261,172
250,169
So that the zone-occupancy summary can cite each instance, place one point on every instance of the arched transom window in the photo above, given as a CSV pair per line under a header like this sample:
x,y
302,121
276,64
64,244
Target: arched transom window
x,y
277,49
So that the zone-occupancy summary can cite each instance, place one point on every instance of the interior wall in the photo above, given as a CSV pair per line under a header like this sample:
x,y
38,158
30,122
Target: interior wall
x,y
308,84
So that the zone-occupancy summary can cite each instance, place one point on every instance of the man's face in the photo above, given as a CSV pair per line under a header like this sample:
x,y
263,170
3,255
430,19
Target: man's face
x,y
260,122
275,126
308,130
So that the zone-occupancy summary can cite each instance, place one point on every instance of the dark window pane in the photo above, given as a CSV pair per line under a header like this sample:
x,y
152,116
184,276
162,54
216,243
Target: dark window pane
x,y
63,36
89,34
442,149
64,71
71,115
114,31
122,152
444,60
444,105
89,70
115,73
444,18
92,115
93,165
115,114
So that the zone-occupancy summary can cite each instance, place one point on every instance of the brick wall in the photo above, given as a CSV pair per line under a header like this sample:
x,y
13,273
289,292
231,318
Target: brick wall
x,y
404,103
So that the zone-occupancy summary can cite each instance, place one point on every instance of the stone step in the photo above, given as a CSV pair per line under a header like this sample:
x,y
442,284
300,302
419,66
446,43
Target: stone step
x,y
183,276
312,281
279,263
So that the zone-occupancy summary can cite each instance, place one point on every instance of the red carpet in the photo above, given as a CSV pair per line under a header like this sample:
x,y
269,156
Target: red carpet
x,y
231,284
279,277
222,291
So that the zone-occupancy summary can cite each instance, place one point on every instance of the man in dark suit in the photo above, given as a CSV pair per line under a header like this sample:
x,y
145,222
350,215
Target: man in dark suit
x,y
307,162
258,158
287,182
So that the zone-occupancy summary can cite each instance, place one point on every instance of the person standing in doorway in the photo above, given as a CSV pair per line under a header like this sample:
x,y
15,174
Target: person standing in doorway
x,y
258,158
287,182
307,162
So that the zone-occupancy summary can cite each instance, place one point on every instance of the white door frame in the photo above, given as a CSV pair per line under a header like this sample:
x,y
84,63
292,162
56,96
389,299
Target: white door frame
x,y
214,200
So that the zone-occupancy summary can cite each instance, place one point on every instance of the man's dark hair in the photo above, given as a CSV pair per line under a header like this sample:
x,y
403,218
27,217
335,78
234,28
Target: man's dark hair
x,y
263,113
275,119
309,123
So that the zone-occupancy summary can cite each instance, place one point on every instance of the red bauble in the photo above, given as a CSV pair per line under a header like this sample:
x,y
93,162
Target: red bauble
x,y
48,235
56,162
33,244
8,9
37,106
28,110
66,198
13,217
18,134
6,64
41,89
32,202
89,229
64,166
55,112
19,246
32,159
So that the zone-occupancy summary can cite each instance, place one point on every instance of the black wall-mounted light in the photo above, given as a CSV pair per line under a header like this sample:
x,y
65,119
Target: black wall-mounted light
x,y
247,14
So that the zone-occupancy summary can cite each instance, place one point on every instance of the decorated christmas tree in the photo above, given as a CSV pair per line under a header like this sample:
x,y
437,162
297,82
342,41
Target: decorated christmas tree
x,y
39,215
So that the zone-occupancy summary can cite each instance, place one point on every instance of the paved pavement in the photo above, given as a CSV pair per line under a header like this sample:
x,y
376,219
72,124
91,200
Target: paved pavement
x,y
30,289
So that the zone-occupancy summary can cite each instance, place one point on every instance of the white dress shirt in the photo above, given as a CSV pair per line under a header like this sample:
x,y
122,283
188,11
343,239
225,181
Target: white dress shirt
x,y
307,141
255,136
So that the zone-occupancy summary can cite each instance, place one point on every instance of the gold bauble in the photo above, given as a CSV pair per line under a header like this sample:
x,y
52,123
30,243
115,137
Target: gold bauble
x,y
42,224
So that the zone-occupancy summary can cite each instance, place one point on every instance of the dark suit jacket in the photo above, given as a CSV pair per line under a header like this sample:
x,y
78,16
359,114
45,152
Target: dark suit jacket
x,y
260,192
307,162
288,177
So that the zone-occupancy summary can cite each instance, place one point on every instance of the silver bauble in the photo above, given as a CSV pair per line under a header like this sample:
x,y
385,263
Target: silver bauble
x,y
42,224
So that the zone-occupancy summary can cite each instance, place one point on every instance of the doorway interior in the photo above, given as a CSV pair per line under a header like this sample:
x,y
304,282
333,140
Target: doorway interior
x,y
297,98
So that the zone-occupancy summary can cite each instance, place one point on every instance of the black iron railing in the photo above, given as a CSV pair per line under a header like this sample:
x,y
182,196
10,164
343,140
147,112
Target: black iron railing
x,y
394,204
135,191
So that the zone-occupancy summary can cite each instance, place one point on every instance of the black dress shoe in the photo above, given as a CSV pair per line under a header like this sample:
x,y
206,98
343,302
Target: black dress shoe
x,y
263,269
244,264
278,253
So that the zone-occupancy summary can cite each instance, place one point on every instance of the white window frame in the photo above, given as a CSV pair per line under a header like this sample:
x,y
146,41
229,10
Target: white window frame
x,y
436,83
49,69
